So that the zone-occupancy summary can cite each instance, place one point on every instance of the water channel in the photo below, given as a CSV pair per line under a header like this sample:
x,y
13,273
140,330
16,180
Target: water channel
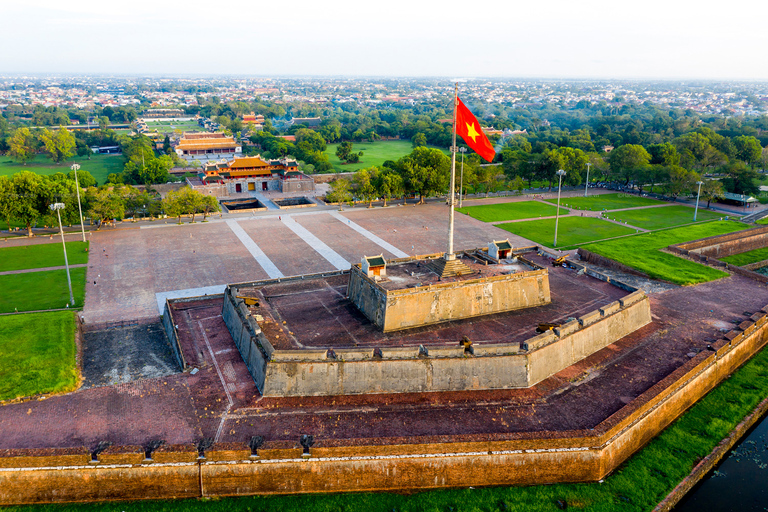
x,y
738,483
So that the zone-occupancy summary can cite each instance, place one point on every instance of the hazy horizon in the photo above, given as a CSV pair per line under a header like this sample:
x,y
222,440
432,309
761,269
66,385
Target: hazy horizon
x,y
594,40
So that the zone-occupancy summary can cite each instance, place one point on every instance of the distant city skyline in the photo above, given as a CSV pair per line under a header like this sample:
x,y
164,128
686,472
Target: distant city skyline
x,y
593,39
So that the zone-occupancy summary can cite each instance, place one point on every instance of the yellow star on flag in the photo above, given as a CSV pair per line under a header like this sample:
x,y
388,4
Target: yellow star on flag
x,y
471,132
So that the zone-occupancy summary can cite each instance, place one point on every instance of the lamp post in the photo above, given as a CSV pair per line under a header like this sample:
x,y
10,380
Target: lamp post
x,y
560,174
76,167
696,211
462,150
57,207
586,186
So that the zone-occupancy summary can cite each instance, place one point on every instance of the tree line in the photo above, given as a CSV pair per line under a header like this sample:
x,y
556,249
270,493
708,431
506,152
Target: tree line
x,y
25,200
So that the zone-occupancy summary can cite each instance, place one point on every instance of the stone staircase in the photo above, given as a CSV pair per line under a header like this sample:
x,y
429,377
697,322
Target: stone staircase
x,y
449,268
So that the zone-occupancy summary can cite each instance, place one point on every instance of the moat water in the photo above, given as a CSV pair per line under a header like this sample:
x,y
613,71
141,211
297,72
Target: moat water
x,y
739,481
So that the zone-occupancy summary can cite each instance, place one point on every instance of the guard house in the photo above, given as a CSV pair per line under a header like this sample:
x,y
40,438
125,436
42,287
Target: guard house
x,y
374,265
499,250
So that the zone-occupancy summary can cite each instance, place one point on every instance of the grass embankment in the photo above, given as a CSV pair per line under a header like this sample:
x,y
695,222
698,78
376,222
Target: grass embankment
x,y
637,486
745,258
36,291
663,217
642,252
42,255
606,202
374,154
571,231
100,166
38,354
511,211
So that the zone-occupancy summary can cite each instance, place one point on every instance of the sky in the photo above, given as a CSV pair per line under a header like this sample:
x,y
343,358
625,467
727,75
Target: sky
x,y
670,39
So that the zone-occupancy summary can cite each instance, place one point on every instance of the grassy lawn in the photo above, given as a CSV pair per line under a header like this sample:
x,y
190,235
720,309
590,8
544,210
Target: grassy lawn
x,y
38,354
664,217
511,211
374,154
745,258
571,231
636,486
642,252
42,255
170,126
606,201
99,166
34,291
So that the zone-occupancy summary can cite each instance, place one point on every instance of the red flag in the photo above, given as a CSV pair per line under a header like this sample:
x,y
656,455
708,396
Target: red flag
x,y
469,128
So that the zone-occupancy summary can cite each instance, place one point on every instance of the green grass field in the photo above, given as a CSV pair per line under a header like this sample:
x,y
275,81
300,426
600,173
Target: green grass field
x,y
606,202
170,126
42,255
100,166
374,154
636,486
511,211
663,217
35,291
642,252
571,231
38,354
745,258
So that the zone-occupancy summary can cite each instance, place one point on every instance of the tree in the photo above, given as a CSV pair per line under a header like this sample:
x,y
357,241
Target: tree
x,y
710,190
365,184
664,154
173,205
486,175
340,191
628,161
32,198
681,180
209,204
419,140
59,145
343,150
425,171
84,178
106,203
748,149
23,145
7,200
389,184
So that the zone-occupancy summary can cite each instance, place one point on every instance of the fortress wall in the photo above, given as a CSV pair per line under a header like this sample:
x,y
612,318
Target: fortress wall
x,y
393,310
414,307
405,370
579,456
169,324
726,245
615,322
252,344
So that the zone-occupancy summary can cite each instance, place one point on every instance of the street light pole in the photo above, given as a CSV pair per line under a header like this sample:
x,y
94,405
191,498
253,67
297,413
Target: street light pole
x,y
57,207
586,186
696,211
560,174
76,167
463,150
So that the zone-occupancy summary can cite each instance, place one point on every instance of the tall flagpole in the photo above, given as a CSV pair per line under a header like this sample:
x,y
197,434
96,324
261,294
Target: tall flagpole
x,y
449,255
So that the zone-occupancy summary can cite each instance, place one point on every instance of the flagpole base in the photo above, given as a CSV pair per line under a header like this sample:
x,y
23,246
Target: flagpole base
x,y
449,266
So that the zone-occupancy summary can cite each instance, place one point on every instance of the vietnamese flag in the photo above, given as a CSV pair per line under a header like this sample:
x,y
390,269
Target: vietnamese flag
x,y
469,129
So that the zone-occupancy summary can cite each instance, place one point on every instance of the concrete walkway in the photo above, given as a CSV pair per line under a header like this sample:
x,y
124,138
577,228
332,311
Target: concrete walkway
x,y
370,236
266,202
269,267
43,269
318,245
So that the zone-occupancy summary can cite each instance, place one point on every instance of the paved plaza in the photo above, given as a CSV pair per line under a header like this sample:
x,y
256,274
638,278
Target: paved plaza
x,y
131,271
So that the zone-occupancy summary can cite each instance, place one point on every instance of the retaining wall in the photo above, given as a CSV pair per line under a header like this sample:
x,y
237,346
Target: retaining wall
x,y
729,244
169,324
451,368
521,459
